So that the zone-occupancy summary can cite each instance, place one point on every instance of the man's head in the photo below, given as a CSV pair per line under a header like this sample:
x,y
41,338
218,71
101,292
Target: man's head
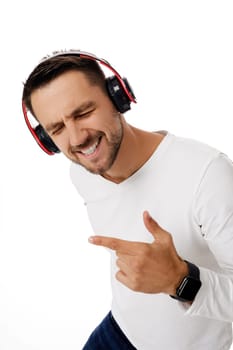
x,y
67,94
53,66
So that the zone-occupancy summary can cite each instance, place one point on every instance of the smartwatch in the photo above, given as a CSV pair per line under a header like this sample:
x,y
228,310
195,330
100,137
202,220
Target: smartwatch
x,y
190,284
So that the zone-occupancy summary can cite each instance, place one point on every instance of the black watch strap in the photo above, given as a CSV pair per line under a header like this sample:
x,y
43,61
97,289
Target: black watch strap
x,y
190,284
193,270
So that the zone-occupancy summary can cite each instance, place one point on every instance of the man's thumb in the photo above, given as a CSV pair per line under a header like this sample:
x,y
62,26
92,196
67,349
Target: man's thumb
x,y
151,225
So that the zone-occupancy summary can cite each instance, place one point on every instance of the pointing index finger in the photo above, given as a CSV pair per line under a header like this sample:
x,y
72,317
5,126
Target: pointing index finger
x,y
119,245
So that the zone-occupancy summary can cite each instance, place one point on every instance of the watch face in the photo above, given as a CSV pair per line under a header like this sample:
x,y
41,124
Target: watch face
x,y
188,288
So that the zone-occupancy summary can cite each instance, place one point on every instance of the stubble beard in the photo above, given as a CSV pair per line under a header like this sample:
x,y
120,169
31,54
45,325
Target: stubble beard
x,y
113,144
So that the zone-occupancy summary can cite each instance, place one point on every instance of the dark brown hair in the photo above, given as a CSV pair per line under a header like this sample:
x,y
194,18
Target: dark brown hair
x,y
52,67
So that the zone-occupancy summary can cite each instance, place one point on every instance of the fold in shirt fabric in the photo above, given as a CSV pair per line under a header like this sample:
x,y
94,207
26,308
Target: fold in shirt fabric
x,y
187,187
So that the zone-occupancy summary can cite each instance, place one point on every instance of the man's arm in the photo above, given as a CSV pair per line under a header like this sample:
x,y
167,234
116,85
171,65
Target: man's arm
x,y
214,216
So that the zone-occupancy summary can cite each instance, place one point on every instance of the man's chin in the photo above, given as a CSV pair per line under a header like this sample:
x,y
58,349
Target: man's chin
x,y
98,166
97,169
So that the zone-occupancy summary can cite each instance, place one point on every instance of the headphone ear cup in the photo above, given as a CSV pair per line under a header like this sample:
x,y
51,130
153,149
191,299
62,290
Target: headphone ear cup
x,y
117,94
45,140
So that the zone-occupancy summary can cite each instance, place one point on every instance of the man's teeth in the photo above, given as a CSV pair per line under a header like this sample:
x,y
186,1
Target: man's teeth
x,y
91,149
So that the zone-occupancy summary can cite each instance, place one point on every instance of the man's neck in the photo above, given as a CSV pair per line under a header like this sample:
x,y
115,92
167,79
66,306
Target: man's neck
x,y
136,148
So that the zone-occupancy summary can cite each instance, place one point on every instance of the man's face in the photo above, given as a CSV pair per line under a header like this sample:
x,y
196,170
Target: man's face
x,y
80,119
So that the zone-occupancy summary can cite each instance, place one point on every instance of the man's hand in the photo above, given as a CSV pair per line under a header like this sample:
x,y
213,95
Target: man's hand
x,y
147,267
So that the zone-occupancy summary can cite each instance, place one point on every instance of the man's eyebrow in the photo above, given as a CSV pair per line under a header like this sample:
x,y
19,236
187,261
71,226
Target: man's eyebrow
x,y
53,126
77,111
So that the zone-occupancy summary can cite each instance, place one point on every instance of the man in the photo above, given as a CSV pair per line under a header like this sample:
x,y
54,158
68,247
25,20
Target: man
x,y
161,204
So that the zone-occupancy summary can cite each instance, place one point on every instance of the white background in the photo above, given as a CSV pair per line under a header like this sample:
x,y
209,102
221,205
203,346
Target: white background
x,y
178,56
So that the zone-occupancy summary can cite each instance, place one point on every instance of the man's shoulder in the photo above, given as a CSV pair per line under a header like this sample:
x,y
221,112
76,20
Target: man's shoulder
x,y
183,155
193,148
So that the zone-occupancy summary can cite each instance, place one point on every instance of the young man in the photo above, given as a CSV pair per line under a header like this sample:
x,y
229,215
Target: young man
x,y
162,204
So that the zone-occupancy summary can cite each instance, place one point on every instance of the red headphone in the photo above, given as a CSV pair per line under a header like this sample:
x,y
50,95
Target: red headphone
x,y
118,88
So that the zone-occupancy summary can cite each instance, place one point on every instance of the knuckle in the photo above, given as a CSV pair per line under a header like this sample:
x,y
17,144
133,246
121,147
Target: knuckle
x,y
135,283
118,262
167,239
144,249
118,275
113,244
138,264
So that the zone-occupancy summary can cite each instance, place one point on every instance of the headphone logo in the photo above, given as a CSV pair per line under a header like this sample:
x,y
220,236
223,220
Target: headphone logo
x,y
119,90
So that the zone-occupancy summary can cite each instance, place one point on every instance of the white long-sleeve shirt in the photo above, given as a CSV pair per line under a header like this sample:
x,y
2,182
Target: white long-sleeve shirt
x,y
187,187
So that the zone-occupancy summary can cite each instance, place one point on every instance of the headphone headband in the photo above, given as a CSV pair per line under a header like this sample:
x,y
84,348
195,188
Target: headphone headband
x,y
118,88
91,56
79,53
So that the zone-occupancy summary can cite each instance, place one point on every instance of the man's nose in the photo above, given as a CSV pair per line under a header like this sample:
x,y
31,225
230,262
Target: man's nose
x,y
76,133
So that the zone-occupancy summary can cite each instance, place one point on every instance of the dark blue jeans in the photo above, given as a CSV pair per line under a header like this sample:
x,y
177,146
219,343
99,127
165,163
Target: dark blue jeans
x,y
108,336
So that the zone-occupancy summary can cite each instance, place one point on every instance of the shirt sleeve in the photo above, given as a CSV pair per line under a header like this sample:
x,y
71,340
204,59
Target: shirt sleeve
x,y
214,215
